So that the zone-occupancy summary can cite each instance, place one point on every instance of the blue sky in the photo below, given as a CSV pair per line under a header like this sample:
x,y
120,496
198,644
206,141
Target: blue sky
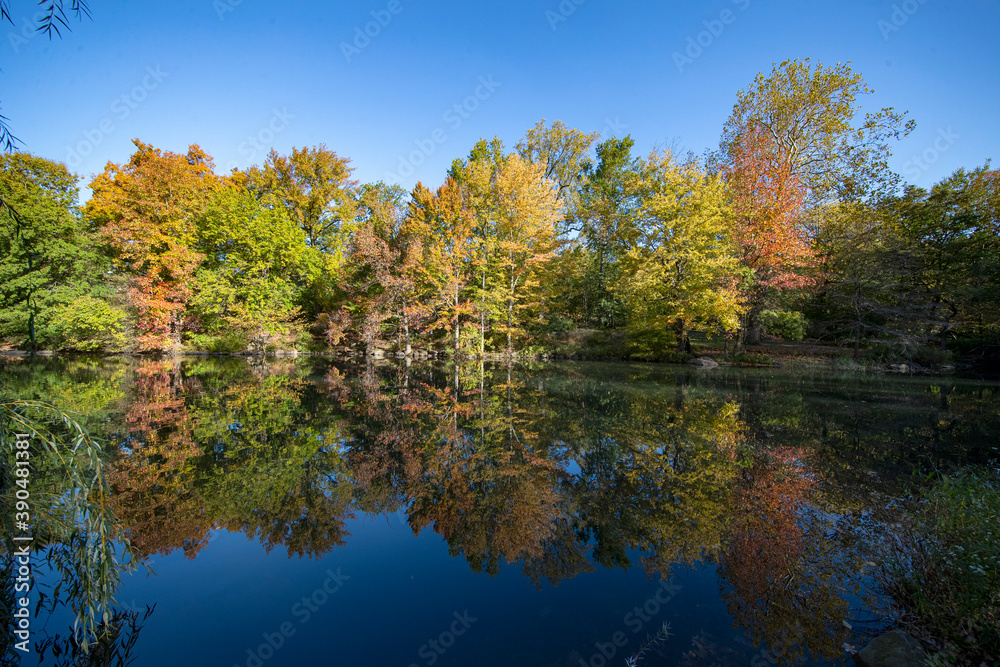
x,y
429,78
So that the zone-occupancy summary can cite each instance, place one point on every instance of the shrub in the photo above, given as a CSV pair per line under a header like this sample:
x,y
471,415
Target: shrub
x,y
650,343
944,568
231,341
787,324
87,324
753,360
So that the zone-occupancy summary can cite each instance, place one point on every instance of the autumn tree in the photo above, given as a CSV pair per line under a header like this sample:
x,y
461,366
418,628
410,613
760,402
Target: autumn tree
x,y
445,228
379,279
793,142
146,211
563,151
809,113
523,204
154,480
681,271
774,247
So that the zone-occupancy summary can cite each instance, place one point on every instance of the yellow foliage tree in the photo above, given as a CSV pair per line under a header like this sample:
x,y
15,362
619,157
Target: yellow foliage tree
x,y
682,270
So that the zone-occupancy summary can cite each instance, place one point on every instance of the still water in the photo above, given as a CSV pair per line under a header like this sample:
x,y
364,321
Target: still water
x,y
299,512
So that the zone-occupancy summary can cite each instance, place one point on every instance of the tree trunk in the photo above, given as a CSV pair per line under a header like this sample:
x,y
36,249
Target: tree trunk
x,y
683,343
406,334
457,332
754,329
482,320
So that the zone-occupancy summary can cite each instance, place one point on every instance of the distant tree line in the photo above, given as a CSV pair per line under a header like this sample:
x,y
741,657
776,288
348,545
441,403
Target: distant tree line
x,y
794,226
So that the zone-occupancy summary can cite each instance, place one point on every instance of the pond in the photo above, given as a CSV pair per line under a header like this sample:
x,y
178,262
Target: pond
x,y
302,512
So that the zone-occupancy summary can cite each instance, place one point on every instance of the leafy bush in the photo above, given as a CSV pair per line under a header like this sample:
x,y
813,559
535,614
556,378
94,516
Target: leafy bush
x,y
675,357
787,324
223,343
87,324
944,567
933,356
753,360
650,343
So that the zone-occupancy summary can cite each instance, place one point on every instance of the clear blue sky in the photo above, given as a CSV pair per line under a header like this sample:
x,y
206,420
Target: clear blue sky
x,y
240,76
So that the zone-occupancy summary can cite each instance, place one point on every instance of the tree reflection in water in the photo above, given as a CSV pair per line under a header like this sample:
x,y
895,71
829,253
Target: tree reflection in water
x,y
556,470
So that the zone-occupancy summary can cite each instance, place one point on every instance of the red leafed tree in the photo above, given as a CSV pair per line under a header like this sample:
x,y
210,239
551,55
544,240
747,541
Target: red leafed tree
x,y
381,285
146,210
767,200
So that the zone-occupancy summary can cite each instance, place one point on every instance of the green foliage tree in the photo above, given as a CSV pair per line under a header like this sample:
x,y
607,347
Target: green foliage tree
x,y
606,212
315,187
256,264
48,257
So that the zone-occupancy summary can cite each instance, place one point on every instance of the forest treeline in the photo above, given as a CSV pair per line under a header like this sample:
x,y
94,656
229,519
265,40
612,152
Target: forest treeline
x,y
794,226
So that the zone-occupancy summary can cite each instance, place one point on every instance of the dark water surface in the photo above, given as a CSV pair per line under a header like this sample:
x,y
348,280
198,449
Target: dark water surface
x,y
304,513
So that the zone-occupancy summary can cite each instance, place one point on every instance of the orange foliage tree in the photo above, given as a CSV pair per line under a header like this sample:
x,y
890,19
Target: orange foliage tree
x,y
146,211
767,199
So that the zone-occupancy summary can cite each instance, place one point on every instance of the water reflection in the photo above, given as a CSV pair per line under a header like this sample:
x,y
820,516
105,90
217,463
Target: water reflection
x,y
555,470
57,516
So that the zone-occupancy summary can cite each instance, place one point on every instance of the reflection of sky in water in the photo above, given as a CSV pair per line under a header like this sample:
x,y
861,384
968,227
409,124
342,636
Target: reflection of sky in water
x,y
401,592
